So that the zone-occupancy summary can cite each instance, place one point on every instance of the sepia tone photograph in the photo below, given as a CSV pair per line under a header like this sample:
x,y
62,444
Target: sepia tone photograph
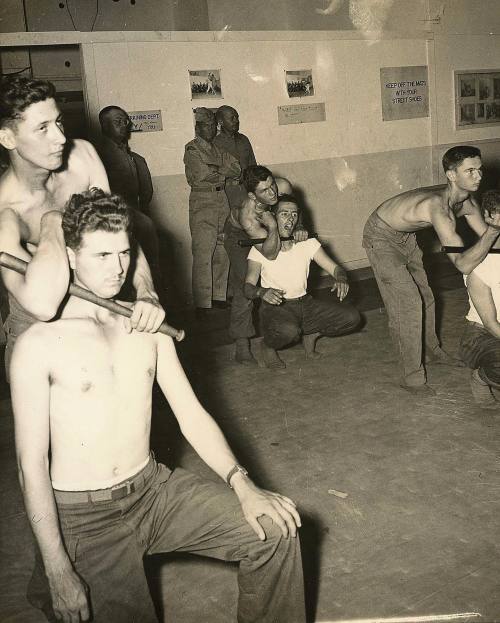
x,y
249,311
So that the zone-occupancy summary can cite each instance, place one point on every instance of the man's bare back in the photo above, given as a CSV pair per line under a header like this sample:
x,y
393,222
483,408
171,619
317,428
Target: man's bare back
x,y
98,380
416,209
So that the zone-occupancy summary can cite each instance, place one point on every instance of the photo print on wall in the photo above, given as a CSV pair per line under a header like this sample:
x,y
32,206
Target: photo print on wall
x,y
299,82
205,83
477,97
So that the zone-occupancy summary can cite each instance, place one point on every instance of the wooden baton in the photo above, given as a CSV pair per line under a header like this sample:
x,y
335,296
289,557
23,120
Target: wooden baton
x,y
250,242
14,263
462,249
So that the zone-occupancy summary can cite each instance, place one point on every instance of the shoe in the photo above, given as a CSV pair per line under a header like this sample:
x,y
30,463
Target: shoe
x,y
271,358
481,392
419,390
243,352
441,357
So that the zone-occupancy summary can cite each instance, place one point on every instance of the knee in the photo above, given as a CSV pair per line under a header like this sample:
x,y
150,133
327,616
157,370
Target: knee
x,y
275,540
352,318
281,335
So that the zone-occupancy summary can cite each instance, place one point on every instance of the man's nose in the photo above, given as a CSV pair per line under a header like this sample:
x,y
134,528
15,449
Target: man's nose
x,y
118,266
58,135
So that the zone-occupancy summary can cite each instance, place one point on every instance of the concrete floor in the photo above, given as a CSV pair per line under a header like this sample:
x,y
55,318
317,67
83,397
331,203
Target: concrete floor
x,y
399,496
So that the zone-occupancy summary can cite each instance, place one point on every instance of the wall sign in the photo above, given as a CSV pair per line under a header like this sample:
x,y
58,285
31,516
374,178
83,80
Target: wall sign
x,y
301,113
477,98
146,121
405,92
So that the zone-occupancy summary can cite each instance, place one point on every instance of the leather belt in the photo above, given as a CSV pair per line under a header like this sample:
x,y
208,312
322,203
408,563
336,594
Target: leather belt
x,y
117,492
209,189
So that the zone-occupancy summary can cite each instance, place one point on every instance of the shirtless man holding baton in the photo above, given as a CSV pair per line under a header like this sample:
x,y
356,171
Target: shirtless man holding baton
x,y
44,171
99,501
392,249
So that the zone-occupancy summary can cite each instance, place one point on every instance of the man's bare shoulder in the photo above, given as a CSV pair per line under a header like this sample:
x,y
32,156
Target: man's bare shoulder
x,y
36,339
10,190
81,152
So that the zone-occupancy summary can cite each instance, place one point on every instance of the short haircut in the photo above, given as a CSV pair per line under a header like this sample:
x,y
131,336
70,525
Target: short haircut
x,y
107,109
490,202
253,175
19,92
222,109
94,210
454,157
285,199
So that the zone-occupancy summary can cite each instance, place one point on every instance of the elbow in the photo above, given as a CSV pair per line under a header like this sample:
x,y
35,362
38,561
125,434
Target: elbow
x,y
270,255
43,310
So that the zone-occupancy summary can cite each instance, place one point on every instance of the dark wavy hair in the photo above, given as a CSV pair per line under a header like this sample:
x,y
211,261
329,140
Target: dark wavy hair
x,y
454,157
94,210
285,199
490,202
253,175
19,92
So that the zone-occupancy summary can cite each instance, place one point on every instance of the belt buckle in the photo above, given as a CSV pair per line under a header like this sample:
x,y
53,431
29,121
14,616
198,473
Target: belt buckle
x,y
121,491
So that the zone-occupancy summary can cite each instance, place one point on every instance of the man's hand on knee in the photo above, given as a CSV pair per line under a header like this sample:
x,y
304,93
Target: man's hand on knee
x,y
256,502
147,315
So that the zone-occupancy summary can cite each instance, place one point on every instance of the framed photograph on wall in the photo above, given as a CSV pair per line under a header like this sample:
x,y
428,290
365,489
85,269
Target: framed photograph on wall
x,y
299,83
477,98
205,84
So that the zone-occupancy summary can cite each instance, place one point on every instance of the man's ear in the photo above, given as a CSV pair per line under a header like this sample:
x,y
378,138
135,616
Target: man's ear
x,y
451,174
7,138
71,257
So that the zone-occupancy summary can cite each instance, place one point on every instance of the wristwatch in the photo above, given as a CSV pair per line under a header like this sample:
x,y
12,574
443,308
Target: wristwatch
x,y
233,471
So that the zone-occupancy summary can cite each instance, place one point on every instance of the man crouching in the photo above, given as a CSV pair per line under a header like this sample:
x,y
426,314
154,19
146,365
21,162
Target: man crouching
x,y
101,502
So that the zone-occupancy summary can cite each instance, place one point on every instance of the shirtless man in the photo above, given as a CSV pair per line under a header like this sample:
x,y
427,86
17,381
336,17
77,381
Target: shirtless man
x,y
391,246
44,171
101,502
252,220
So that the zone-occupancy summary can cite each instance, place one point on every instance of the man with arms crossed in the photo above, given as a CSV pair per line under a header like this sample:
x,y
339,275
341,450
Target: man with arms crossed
x,y
480,343
252,219
287,312
391,245
101,502
44,171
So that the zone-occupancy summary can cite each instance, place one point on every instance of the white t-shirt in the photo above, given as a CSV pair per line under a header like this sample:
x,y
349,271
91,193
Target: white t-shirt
x,y
489,273
290,270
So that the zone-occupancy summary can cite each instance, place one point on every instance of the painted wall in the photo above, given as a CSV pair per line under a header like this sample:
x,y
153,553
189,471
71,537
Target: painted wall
x,y
343,167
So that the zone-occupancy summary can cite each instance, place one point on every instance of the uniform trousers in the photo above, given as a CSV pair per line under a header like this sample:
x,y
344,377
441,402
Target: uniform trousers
x,y
177,512
397,264
208,212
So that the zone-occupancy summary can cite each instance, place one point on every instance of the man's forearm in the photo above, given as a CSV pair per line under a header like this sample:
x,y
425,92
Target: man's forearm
x,y
43,518
252,291
207,439
47,276
271,245
493,327
142,279
467,261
